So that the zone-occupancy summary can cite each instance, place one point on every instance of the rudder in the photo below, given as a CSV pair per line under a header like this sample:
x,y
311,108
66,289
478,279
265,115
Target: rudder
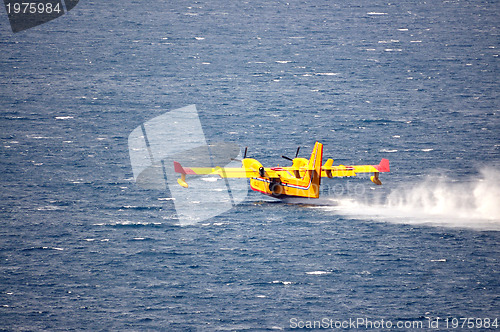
x,y
315,163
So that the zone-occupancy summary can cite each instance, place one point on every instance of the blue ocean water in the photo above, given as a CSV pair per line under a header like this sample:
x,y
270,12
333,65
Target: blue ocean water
x,y
82,247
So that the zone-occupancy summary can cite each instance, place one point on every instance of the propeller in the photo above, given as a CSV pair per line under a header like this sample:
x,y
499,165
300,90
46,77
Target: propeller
x,y
244,154
296,154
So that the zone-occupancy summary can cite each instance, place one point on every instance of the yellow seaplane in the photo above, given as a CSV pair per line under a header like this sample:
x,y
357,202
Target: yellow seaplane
x,y
302,179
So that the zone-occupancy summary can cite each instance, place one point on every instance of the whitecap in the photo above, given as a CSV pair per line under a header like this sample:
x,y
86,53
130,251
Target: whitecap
x,y
49,208
53,248
318,273
282,282
209,179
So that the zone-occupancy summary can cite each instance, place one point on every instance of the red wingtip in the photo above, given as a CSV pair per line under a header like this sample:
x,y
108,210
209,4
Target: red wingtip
x,y
178,168
383,166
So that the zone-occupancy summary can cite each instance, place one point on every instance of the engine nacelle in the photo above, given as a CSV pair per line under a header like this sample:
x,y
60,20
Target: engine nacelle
x,y
276,188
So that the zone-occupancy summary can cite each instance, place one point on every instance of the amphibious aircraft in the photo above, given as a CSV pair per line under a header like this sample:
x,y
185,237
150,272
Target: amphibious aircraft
x,y
302,179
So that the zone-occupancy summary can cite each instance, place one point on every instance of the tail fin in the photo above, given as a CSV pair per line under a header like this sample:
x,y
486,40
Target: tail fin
x,y
315,163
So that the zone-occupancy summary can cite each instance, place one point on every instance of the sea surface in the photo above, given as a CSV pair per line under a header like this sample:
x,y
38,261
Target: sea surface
x,y
83,247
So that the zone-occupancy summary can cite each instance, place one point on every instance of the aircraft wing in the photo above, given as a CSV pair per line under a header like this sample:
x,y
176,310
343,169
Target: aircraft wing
x,y
224,172
255,170
328,170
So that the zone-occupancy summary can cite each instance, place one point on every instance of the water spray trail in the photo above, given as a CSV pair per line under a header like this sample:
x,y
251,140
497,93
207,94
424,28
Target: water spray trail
x,y
437,201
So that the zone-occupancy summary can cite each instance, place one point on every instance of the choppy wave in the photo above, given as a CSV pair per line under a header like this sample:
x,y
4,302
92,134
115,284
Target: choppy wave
x,y
438,201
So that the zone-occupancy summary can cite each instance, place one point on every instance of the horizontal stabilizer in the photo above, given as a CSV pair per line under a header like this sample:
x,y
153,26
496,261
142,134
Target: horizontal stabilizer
x,y
330,171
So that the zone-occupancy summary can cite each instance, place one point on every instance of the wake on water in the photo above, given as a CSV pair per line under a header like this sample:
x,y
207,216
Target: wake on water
x,y
437,201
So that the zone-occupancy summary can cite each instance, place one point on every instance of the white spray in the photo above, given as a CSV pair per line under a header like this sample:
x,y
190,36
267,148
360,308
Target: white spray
x,y
472,203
